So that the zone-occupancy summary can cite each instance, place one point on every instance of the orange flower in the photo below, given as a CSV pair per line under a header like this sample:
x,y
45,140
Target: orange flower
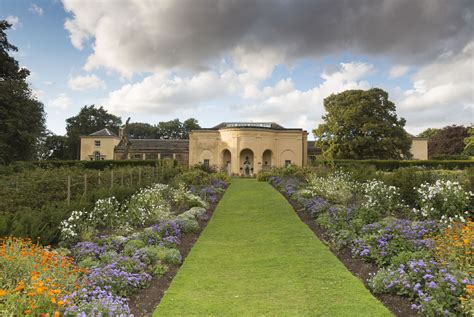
x,y
469,288
3,292
20,286
56,314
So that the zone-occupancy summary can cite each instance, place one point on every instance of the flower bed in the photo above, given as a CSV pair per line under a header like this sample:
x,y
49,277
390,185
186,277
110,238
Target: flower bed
x,y
423,254
109,252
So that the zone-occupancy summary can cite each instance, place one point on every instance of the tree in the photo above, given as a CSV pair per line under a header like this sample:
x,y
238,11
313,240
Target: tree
x,y
448,141
53,147
90,119
428,133
22,117
469,143
362,125
140,130
188,125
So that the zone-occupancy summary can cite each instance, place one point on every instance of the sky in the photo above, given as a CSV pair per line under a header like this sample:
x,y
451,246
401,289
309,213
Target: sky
x,y
248,60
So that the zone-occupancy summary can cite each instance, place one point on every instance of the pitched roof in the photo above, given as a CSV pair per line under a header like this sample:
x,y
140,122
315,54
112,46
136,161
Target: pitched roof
x,y
156,144
103,132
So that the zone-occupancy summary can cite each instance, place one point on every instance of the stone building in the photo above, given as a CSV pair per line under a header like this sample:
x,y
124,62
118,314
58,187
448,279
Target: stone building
x,y
244,148
240,148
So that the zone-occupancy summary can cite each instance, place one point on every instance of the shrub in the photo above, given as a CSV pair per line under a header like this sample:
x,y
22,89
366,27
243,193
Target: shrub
x,y
381,198
442,198
434,287
148,206
336,188
98,302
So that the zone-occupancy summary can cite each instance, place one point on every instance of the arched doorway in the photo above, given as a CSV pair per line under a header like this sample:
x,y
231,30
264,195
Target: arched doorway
x,y
226,161
246,162
97,156
267,160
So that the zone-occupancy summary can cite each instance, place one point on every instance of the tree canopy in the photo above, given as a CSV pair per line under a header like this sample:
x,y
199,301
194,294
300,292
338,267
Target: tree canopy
x,y
90,119
448,141
173,129
362,124
428,133
22,116
469,143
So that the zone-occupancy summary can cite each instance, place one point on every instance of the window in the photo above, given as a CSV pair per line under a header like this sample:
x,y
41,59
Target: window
x,y
287,162
151,156
206,163
97,142
137,156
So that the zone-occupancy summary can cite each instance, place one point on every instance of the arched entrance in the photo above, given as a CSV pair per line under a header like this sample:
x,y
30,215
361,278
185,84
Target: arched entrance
x,y
226,161
267,160
246,162
97,156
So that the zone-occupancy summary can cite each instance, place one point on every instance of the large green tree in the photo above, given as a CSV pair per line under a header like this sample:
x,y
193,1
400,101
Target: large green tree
x,y
428,133
139,130
362,124
53,147
448,141
22,117
469,143
90,119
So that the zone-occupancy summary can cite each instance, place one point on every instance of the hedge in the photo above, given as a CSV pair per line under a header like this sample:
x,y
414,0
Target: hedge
x,y
389,165
96,165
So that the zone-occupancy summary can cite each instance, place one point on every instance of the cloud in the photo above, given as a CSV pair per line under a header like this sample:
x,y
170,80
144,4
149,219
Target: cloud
x,y
442,92
398,71
300,108
86,82
165,93
157,36
35,9
62,101
14,21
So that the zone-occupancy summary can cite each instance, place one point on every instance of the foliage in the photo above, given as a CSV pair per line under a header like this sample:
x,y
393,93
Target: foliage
x,y
390,165
362,125
336,188
34,280
89,120
434,286
53,147
22,116
443,198
448,140
381,198
469,143
173,129
428,133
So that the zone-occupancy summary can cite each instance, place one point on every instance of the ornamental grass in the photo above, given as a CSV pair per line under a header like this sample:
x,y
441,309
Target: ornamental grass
x,y
34,279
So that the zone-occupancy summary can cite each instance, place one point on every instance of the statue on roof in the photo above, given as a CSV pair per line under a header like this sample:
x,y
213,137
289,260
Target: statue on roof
x,y
125,140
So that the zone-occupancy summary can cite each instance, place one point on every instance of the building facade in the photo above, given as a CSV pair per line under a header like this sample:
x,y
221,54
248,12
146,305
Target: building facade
x,y
239,148
243,148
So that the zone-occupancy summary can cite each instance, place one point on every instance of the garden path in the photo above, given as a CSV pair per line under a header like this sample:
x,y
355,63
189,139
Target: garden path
x,y
256,258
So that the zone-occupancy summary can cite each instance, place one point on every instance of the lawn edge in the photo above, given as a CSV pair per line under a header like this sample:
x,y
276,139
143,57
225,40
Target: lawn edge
x,y
398,305
144,302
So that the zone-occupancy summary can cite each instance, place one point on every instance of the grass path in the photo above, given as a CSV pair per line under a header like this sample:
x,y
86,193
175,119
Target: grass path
x,y
256,257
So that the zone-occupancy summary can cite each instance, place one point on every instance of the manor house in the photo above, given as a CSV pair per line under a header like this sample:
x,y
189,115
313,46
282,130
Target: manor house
x,y
240,148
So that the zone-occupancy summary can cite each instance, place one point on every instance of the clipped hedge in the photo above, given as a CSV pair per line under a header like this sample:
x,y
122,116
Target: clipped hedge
x,y
390,165
95,165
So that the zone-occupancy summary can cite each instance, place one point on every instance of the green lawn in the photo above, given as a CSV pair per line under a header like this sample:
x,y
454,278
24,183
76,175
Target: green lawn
x,y
257,258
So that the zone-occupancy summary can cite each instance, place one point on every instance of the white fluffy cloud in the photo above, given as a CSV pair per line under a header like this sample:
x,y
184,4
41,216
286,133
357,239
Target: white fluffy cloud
x,y
299,108
165,93
35,9
86,82
14,21
442,92
62,101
